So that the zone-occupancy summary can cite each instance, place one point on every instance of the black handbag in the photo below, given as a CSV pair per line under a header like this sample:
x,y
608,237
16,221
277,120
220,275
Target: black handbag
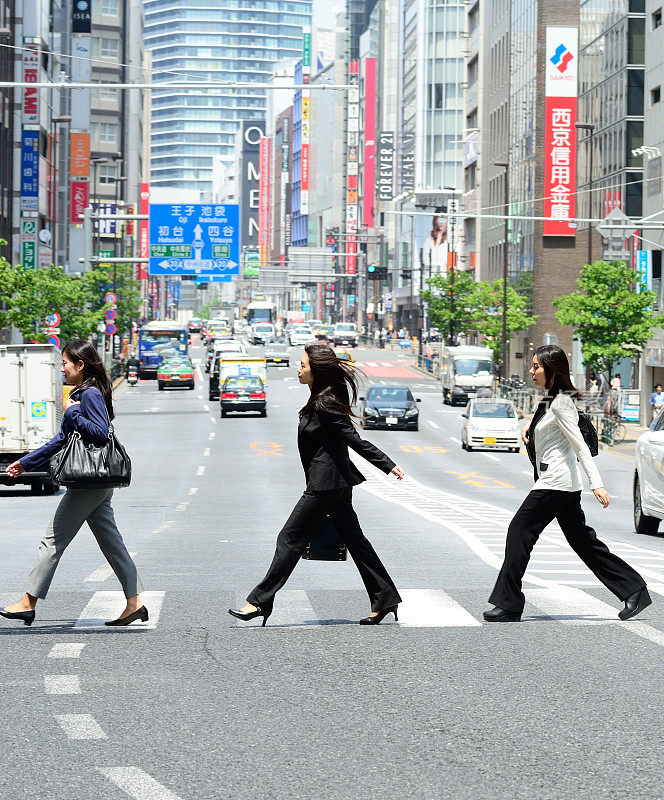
x,y
84,465
325,544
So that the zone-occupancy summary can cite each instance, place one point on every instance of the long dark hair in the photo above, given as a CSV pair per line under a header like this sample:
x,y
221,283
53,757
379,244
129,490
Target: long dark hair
x,y
94,371
333,378
556,368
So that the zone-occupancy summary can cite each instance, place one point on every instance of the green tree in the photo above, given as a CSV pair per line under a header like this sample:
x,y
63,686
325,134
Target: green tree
x,y
120,280
31,294
452,299
610,318
489,320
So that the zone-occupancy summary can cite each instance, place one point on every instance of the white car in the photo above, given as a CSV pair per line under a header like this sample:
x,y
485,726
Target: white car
x,y
491,422
261,332
345,333
649,478
302,335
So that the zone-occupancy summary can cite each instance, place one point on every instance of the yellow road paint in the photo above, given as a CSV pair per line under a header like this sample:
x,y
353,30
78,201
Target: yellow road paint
x,y
483,481
266,448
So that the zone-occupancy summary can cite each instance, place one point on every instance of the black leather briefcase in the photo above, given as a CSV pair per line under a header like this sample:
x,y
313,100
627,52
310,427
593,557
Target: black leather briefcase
x,y
325,544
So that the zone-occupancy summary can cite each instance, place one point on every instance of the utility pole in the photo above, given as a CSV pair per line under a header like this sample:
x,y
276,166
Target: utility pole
x,y
506,166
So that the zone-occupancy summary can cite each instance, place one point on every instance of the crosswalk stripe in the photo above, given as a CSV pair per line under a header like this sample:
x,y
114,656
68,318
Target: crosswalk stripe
x,y
80,726
104,606
432,608
66,650
62,684
292,609
571,606
137,784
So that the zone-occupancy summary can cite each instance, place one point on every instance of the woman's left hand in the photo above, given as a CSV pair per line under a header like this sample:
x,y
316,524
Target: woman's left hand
x,y
398,472
70,403
603,496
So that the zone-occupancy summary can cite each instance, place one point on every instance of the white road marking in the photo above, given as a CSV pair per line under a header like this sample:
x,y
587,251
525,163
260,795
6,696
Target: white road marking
x,y
292,610
193,490
213,420
490,457
200,471
206,452
62,684
182,506
101,574
137,784
212,435
200,396
572,606
66,650
164,526
433,424
432,608
454,439
80,726
527,472
104,606
206,407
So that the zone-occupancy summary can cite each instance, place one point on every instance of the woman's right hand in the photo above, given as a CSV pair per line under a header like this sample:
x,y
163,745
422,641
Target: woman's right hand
x,y
525,438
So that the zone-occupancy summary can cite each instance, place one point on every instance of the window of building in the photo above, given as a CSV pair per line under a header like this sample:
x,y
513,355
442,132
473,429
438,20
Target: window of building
x,y
636,40
108,48
655,95
106,174
105,132
473,71
656,18
635,78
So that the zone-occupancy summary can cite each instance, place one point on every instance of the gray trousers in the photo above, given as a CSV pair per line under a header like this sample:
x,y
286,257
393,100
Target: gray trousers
x,y
76,507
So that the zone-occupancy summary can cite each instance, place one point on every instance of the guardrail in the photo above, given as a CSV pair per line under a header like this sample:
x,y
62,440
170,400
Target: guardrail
x,y
523,398
429,365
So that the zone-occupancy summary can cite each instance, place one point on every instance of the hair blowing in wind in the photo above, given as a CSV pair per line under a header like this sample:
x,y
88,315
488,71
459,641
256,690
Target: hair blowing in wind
x,y
94,371
335,382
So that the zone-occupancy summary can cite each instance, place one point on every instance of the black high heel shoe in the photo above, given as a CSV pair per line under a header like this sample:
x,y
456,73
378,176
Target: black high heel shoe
x,y
28,617
380,616
498,614
635,604
245,616
120,622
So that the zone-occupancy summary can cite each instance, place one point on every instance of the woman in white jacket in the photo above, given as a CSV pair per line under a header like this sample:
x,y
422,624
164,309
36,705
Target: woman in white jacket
x,y
559,447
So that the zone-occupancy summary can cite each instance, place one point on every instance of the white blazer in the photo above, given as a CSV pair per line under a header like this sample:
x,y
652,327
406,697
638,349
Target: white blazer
x,y
558,445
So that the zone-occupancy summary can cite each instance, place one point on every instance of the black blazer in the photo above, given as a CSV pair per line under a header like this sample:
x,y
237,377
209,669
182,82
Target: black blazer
x,y
323,440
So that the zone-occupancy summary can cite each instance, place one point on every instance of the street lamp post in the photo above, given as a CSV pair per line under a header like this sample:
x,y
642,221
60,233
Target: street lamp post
x,y
95,184
54,181
584,126
506,166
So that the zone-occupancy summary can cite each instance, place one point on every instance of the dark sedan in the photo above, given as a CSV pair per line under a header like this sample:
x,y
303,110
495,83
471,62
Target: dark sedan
x,y
243,394
390,407
276,351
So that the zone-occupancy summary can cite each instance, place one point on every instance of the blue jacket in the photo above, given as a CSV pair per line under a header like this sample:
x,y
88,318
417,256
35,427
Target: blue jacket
x,y
90,419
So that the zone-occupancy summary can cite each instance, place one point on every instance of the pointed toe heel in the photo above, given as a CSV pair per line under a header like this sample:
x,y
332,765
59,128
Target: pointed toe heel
x,y
28,617
245,616
380,616
140,614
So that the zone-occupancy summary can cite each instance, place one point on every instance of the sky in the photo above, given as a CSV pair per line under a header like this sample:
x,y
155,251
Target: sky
x,y
325,12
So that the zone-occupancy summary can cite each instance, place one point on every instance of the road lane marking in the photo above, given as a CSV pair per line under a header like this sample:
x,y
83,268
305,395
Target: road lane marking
x,y
292,609
433,424
266,448
62,684
80,726
182,506
213,420
433,608
103,573
206,452
193,490
483,481
137,784
104,606
490,457
200,396
66,650
200,471
212,435
206,407
454,439
164,526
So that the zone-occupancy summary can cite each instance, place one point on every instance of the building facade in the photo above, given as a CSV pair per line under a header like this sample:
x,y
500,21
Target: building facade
x,y
190,128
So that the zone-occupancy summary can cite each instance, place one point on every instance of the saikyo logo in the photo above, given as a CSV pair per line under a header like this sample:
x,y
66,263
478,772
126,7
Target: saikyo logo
x,y
561,58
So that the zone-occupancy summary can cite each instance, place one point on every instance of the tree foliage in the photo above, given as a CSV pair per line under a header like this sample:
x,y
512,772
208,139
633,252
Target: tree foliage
x,y
610,318
475,306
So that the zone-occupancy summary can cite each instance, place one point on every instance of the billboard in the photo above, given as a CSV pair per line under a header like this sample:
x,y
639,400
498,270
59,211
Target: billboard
x,y
252,132
80,155
264,160
561,72
385,180
369,165
30,171
78,200
352,145
30,106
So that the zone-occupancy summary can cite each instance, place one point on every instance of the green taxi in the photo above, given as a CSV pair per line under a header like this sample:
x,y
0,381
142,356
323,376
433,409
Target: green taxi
x,y
175,372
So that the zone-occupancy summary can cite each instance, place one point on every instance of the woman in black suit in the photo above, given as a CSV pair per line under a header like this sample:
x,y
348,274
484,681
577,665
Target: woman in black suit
x,y
324,435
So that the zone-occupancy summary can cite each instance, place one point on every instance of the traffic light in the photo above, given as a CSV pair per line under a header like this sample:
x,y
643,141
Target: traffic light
x,y
382,273
201,285
372,273
406,274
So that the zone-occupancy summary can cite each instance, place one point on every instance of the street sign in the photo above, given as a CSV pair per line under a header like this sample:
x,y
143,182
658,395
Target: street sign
x,y
388,302
111,329
52,319
194,239
54,341
111,314
50,331
615,240
110,297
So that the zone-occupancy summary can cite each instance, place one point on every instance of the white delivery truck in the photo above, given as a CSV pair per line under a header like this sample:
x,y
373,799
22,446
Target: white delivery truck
x,y
31,407
464,370
232,365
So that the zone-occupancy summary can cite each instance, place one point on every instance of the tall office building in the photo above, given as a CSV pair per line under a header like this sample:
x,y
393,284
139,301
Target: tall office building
x,y
238,42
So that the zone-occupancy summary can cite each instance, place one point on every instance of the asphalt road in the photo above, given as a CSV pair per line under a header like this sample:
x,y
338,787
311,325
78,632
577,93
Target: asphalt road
x,y
199,706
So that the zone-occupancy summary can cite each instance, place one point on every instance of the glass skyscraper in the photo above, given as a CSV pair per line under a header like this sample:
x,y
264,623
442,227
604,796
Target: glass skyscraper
x,y
212,40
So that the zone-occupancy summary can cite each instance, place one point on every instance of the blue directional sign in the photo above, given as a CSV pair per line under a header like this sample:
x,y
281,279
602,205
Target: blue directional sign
x,y
30,171
196,240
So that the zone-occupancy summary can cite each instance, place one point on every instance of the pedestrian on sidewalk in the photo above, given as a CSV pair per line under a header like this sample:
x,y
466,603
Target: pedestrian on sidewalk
x,y
88,410
324,434
555,440
656,401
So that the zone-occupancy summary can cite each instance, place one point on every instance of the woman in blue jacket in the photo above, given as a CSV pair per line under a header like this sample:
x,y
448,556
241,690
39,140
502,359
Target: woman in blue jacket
x,y
89,411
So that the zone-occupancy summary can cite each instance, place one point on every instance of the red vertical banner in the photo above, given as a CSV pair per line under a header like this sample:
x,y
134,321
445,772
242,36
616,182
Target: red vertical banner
x,y
144,231
78,200
368,184
352,165
561,60
264,161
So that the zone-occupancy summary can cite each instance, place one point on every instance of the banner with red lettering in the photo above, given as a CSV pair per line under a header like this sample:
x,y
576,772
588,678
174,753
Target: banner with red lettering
x,y
561,60
144,231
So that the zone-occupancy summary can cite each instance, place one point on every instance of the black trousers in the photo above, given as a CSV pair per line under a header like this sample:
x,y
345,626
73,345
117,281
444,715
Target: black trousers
x,y
292,540
540,508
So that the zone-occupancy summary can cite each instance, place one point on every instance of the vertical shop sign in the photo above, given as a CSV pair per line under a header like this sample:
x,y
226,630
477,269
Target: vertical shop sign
x,y
30,171
352,148
369,166
30,109
561,66
80,155
264,161
78,201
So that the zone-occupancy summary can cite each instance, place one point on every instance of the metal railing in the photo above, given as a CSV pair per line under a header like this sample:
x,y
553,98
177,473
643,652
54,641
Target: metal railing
x,y
524,399
429,365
